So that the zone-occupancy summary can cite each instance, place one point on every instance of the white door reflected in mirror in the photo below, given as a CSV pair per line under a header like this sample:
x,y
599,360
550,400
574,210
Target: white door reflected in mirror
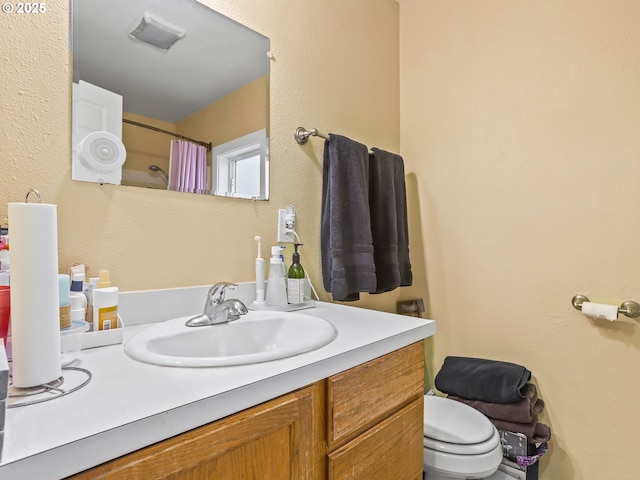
x,y
97,149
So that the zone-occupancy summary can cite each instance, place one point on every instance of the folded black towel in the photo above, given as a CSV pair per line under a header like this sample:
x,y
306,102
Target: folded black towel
x,y
536,432
388,206
525,410
481,379
345,236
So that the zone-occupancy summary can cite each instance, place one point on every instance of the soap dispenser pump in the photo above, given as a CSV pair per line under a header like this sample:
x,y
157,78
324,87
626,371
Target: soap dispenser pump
x,y
295,278
276,287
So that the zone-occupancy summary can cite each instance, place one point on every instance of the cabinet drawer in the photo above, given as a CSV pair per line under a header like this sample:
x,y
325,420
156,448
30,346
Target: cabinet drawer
x,y
391,449
364,395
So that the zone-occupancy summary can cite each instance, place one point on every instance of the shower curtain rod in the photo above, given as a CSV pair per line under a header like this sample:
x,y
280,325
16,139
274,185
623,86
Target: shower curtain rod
x,y
208,146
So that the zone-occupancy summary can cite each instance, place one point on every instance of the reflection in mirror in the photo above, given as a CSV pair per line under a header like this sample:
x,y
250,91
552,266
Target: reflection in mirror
x,y
182,86
239,168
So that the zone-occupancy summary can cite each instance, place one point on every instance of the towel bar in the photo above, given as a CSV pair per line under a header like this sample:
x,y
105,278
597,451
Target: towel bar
x,y
629,308
302,135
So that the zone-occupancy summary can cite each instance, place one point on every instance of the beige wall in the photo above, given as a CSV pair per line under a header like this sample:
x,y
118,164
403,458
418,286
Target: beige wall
x,y
331,70
237,114
520,121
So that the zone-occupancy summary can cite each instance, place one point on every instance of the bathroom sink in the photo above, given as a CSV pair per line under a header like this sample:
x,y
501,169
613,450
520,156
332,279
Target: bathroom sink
x,y
256,337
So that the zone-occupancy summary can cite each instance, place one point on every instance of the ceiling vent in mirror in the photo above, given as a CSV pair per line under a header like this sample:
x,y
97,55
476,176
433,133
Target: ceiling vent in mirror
x,y
157,32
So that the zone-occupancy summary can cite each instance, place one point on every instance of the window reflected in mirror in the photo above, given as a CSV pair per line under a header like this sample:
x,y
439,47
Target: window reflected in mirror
x,y
240,167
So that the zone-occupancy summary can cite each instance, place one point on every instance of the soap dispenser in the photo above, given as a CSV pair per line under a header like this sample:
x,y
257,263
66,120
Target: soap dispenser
x,y
276,288
295,278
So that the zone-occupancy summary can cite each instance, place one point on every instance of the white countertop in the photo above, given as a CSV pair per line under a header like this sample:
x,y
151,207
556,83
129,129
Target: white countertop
x,y
129,405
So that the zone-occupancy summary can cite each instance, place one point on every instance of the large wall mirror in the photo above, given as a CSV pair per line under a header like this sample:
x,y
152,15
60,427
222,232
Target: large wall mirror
x,y
183,88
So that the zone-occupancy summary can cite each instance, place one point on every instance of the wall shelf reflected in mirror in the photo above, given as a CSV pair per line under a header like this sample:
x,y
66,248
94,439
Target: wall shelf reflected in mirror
x,y
174,106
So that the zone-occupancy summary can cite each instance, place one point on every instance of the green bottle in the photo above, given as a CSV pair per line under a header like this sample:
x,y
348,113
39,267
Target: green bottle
x,y
295,278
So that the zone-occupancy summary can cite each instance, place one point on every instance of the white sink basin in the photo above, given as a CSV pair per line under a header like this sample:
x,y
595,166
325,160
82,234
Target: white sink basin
x,y
256,337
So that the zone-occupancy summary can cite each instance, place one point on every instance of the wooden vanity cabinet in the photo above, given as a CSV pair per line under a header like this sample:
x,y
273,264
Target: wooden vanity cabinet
x,y
389,450
364,423
275,440
375,418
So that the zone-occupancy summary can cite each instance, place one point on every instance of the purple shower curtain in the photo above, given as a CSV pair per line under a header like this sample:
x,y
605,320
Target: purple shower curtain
x,y
188,172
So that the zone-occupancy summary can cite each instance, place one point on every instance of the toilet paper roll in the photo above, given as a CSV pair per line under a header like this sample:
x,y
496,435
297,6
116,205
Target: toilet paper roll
x,y
35,321
599,310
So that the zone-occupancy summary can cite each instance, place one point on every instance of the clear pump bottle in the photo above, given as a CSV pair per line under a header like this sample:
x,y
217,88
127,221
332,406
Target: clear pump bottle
x,y
276,288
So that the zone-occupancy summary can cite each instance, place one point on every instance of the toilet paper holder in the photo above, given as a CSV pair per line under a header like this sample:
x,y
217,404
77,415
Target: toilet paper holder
x,y
629,308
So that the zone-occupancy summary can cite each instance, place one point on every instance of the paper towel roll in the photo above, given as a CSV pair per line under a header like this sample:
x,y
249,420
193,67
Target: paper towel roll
x,y
35,321
590,309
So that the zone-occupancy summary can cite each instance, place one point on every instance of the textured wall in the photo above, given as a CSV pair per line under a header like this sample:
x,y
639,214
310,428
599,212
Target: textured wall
x,y
520,122
335,68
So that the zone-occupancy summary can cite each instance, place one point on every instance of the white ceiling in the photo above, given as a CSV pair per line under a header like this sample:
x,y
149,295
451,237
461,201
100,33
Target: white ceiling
x,y
214,58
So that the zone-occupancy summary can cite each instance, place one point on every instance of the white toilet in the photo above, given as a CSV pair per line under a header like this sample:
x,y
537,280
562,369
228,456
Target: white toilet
x,y
459,441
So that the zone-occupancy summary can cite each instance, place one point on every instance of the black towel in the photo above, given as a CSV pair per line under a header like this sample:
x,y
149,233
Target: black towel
x,y
536,432
525,410
388,207
481,379
345,239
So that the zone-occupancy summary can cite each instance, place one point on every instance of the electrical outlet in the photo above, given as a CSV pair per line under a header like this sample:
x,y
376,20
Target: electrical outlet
x,y
283,237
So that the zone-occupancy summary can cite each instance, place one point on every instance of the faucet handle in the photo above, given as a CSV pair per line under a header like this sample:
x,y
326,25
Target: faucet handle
x,y
232,309
216,293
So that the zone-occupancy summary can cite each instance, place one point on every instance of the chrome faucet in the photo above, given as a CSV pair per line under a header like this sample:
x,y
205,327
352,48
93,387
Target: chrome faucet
x,y
217,309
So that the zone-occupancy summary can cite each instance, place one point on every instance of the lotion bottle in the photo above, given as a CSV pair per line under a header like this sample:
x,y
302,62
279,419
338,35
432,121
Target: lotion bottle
x,y
276,289
105,304
78,299
88,290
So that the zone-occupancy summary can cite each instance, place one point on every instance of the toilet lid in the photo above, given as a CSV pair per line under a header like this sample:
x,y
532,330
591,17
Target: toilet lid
x,y
447,420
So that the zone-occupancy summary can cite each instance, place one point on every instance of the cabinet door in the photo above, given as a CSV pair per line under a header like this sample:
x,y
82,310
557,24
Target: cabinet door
x,y
364,395
390,450
275,440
